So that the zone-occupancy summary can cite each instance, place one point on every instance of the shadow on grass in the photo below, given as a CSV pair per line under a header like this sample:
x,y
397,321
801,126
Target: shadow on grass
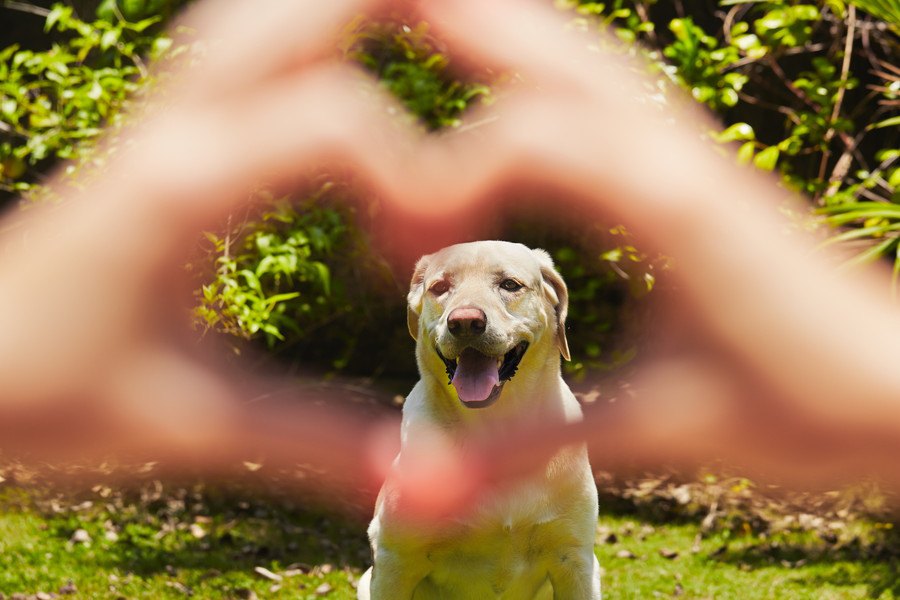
x,y
214,530
857,553
873,562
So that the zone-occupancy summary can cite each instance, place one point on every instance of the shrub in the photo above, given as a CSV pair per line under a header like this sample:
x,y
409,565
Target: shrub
x,y
805,88
808,89
55,103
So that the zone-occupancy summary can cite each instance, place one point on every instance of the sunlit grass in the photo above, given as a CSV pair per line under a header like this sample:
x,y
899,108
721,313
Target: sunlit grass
x,y
209,545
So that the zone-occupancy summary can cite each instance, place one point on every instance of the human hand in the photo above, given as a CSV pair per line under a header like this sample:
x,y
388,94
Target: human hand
x,y
274,103
764,343
97,350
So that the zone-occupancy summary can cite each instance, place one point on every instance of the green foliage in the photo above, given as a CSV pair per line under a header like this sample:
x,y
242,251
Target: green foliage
x,y
607,285
786,25
631,20
275,276
54,103
406,60
806,89
886,10
272,273
700,65
809,90
135,10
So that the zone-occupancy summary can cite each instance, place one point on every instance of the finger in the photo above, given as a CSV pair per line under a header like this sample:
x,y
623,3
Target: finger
x,y
203,163
333,117
528,38
250,41
432,479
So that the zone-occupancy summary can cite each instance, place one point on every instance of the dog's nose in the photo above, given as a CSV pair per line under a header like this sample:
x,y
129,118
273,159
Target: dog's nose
x,y
467,321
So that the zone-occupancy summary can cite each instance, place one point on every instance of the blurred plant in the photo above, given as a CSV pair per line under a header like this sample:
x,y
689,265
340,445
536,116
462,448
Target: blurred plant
x,y
54,103
807,89
136,10
409,63
700,64
265,263
293,267
607,285
886,10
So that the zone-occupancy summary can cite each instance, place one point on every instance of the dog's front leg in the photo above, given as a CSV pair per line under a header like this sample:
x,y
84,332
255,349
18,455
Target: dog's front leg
x,y
396,577
576,576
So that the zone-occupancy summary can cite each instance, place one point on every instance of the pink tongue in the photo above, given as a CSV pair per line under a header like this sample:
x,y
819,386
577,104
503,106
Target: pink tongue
x,y
476,375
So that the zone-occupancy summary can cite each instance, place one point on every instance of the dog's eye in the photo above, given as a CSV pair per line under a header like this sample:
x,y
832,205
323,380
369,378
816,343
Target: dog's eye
x,y
439,288
511,285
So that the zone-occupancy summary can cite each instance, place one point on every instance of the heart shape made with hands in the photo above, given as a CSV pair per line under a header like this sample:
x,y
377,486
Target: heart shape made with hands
x,y
272,104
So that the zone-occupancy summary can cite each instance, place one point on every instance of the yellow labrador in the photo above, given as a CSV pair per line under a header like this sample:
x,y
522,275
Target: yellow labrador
x,y
489,323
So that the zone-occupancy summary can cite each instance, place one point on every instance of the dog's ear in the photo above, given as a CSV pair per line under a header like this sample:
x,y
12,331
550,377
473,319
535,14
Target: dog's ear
x,y
414,298
556,291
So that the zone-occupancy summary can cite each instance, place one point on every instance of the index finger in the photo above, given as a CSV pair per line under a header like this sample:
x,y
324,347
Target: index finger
x,y
253,41
517,35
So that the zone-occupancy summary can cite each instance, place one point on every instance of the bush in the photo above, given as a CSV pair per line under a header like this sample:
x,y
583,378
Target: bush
x,y
55,103
808,89
805,88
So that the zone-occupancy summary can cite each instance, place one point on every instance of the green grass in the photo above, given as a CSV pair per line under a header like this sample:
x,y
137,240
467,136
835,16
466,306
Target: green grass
x,y
169,543
176,543
792,565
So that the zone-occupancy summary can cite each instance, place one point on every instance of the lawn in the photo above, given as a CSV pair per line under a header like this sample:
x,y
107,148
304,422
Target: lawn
x,y
161,541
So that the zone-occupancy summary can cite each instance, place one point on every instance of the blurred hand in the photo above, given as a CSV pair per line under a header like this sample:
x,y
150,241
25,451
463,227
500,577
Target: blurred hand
x,y
767,360
97,353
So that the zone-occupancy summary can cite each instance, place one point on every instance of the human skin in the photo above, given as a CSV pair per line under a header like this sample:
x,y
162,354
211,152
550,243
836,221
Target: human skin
x,y
777,364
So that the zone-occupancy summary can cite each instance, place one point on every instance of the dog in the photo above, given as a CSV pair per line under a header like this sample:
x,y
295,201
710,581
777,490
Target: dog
x,y
489,323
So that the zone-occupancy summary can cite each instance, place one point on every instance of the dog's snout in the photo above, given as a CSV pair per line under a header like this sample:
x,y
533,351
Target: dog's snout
x,y
467,321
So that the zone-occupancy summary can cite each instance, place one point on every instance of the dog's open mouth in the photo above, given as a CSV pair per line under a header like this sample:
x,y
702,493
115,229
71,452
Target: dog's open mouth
x,y
479,378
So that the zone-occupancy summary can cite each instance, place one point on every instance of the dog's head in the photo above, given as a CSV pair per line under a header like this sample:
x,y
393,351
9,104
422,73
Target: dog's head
x,y
476,310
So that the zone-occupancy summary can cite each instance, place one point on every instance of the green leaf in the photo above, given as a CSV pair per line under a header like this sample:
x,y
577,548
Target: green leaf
x,y
324,277
894,178
837,7
767,158
872,253
855,215
273,300
859,233
140,26
734,133
745,153
59,13
774,19
886,123
806,12
109,39
886,10
729,97
746,42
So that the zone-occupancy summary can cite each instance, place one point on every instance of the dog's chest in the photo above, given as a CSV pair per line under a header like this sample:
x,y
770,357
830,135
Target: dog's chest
x,y
501,561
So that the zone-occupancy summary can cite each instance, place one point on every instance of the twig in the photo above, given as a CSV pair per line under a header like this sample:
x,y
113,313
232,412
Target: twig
x,y
785,110
645,18
747,60
800,94
26,8
840,168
